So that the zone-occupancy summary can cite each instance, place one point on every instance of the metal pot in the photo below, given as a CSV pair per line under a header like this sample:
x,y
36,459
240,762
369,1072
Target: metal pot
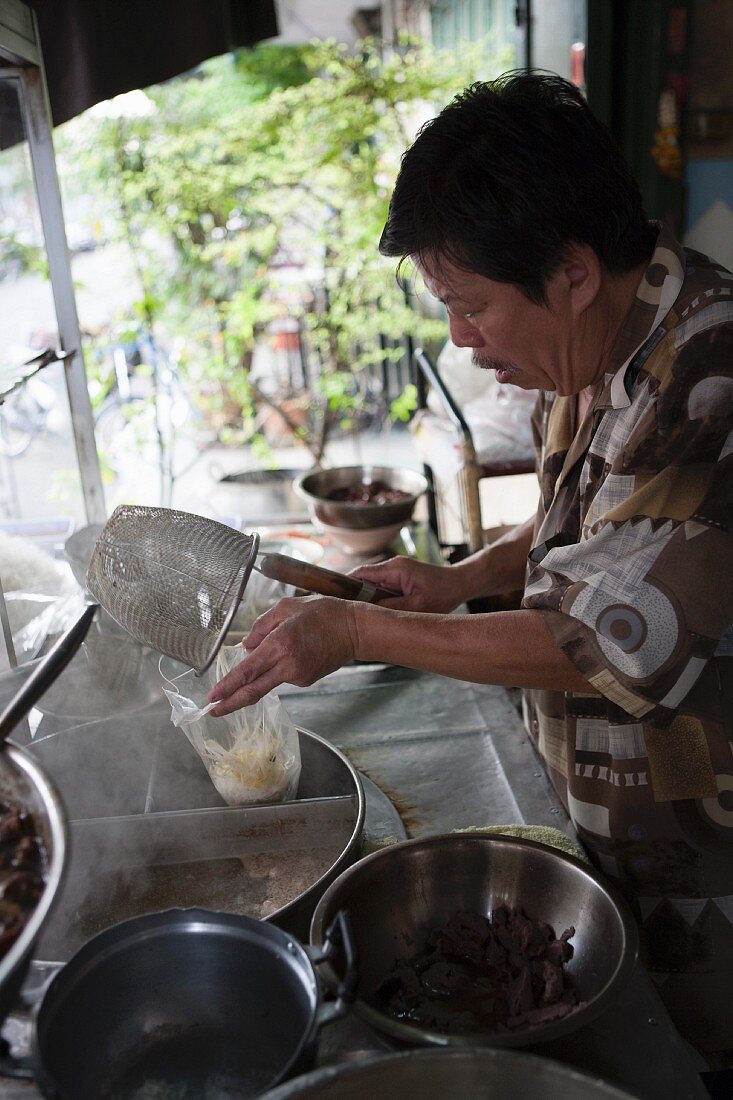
x,y
23,783
315,487
114,769
438,1075
78,550
395,897
256,495
185,999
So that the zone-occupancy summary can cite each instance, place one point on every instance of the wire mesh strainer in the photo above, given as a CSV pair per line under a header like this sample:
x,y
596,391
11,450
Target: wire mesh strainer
x,y
173,580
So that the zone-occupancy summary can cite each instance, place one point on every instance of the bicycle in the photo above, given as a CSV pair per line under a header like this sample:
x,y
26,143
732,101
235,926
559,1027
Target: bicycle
x,y
24,416
144,415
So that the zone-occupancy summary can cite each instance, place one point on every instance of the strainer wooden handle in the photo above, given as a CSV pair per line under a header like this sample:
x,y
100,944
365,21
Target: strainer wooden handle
x,y
314,578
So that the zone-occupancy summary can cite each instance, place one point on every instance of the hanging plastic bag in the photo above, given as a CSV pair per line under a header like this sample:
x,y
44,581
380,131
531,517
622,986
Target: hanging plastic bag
x,y
35,618
252,755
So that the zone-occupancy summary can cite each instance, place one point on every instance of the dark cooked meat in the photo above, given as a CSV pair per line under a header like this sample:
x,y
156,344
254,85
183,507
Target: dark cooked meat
x,y
483,974
21,873
12,824
371,492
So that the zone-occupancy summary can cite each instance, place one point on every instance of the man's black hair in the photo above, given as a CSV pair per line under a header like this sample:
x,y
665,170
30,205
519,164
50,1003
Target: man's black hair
x,y
507,176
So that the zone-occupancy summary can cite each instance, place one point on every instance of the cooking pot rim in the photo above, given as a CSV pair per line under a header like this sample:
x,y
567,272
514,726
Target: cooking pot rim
x,y
317,888
563,1072
412,1034
148,926
137,930
56,859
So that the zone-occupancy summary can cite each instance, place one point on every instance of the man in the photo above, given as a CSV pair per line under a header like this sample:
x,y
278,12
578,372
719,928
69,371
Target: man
x,y
522,217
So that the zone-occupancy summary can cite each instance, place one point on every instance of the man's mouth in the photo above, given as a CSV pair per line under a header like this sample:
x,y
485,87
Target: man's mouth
x,y
504,371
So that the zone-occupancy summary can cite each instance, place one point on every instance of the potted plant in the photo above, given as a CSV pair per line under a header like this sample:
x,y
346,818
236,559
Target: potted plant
x,y
252,194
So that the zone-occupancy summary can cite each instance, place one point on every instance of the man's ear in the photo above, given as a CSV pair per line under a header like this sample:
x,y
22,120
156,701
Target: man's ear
x,y
581,274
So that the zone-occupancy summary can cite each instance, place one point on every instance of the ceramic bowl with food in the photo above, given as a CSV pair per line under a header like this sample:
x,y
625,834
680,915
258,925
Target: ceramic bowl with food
x,y
375,499
361,497
372,540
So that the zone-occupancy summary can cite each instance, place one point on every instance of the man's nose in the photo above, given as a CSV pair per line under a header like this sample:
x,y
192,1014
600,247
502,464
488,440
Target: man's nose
x,y
463,333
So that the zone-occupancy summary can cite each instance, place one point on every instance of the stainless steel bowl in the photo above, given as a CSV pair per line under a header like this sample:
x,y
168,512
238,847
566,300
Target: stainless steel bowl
x,y
440,1074
398,895
315,488
23,783
78,550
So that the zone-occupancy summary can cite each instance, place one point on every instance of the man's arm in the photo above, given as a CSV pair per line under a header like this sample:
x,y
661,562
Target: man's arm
x,y
513,648
497,568
302,639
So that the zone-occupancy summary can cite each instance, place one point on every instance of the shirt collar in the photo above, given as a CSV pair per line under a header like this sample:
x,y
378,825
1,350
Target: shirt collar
x,y
656,294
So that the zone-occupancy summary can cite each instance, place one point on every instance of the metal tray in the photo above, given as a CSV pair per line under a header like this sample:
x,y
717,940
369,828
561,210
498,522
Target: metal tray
x,y
134,764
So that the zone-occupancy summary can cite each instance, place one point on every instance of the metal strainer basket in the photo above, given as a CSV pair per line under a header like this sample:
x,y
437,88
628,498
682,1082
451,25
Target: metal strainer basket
x,y
173,580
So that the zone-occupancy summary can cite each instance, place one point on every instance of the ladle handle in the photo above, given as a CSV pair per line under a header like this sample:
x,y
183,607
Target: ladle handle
x,y
314,578
52,665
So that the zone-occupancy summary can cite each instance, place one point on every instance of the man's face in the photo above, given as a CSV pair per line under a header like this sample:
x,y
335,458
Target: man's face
x,y
528,345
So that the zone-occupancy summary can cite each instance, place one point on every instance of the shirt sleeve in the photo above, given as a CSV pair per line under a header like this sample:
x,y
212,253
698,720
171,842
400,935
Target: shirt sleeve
x,y
644,599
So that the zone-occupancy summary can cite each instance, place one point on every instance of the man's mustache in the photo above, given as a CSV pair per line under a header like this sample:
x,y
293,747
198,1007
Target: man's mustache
x,y
486,362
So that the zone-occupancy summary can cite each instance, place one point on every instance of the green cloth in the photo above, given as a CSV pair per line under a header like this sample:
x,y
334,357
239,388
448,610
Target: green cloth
x,y
541,834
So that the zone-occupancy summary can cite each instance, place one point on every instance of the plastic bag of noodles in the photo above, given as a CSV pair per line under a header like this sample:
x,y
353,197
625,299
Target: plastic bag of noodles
x,y
251,755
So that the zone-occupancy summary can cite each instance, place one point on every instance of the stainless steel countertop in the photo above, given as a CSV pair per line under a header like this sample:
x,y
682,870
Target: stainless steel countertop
x,y
453,755
449,754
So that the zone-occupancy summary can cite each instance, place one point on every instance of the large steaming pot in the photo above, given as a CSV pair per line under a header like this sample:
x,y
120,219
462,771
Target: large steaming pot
x,y
24,784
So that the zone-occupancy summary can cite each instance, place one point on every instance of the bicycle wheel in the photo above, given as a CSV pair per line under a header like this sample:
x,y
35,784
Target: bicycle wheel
x,y
15,433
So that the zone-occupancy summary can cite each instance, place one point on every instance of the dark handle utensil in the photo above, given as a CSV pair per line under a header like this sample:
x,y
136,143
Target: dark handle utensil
x,y
327,582
339,938
52,665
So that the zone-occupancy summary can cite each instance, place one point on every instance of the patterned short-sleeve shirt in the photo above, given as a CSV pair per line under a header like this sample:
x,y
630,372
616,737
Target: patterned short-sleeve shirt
x,y
632,567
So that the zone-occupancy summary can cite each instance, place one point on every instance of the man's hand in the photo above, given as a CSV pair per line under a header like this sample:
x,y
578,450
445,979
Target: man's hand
x,y
497,568
296,642
421,587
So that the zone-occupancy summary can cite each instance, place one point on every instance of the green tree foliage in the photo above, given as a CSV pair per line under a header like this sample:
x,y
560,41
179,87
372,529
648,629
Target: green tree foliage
x,y
279,158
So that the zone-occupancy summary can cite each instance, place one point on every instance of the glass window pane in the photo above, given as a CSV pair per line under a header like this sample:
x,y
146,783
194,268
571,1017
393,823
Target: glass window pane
x,y
26,303
558,37
455,21
39,476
